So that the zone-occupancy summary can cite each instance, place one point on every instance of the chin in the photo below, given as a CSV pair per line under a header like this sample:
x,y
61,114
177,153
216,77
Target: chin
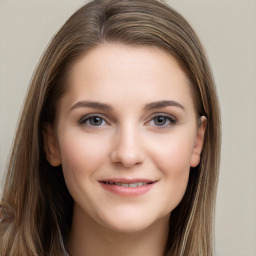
x,y
128,226
132,223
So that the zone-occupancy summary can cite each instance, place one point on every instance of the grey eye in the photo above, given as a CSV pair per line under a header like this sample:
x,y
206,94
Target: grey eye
x,y
160,120
95,121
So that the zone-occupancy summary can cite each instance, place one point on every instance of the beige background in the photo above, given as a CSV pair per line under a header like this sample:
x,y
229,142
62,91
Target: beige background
x,y
227,28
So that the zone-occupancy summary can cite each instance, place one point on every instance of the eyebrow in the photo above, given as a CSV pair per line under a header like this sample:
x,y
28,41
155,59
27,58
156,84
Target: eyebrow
x,y
91,104
103,106
162,104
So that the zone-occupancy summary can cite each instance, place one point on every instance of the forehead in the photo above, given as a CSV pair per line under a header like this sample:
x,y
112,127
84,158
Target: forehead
x,y
117,71
121,56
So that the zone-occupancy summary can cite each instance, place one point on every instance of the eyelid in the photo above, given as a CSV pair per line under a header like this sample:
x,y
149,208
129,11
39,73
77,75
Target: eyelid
x,y
86,117
106,119
163,114
171,118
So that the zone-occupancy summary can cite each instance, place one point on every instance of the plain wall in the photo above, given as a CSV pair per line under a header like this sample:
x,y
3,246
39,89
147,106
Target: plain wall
x,y
227,29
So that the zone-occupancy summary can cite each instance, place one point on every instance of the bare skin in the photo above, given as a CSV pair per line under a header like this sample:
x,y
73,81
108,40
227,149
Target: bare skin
x,y
101,241
126,135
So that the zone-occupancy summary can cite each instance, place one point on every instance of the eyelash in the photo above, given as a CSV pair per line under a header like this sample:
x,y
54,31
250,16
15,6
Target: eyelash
x,y
168,120
90,117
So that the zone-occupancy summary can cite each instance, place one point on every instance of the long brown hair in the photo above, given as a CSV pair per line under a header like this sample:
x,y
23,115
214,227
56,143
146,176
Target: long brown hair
x,y
35,195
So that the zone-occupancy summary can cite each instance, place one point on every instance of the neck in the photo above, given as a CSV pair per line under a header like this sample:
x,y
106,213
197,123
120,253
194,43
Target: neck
x,y
90,238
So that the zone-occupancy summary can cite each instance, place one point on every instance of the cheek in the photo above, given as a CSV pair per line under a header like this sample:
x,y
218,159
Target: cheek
x,y
172,159
172,154
81,156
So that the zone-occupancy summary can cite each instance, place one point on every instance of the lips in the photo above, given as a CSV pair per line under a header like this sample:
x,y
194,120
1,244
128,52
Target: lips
x,y
127,187
131,185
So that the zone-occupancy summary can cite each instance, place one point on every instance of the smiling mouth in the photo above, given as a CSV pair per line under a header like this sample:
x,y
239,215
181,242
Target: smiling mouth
x,y
128,187
131,185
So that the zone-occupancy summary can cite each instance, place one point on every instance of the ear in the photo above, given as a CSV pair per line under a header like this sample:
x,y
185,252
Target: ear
x,y
51,148
198,146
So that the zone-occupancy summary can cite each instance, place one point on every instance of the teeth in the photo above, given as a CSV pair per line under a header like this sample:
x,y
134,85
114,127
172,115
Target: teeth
x,y
138,184
131,185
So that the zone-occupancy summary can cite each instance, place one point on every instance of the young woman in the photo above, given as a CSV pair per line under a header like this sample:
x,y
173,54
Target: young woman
x,y
117,149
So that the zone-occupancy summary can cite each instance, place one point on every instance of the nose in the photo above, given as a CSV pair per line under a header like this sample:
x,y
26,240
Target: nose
x,y
128,148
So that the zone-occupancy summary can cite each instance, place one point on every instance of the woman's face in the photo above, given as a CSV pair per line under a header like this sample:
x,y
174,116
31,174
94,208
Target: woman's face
x,y
126,135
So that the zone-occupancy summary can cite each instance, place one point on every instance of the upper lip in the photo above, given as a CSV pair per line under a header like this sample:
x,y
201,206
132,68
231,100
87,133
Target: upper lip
x,y
128,180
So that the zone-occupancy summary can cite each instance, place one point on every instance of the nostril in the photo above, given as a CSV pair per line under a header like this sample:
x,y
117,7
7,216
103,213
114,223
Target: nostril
x,y
127,148
127,158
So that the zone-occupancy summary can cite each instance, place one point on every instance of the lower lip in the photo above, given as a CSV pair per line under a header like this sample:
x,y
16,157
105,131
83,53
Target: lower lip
x,y
127,191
